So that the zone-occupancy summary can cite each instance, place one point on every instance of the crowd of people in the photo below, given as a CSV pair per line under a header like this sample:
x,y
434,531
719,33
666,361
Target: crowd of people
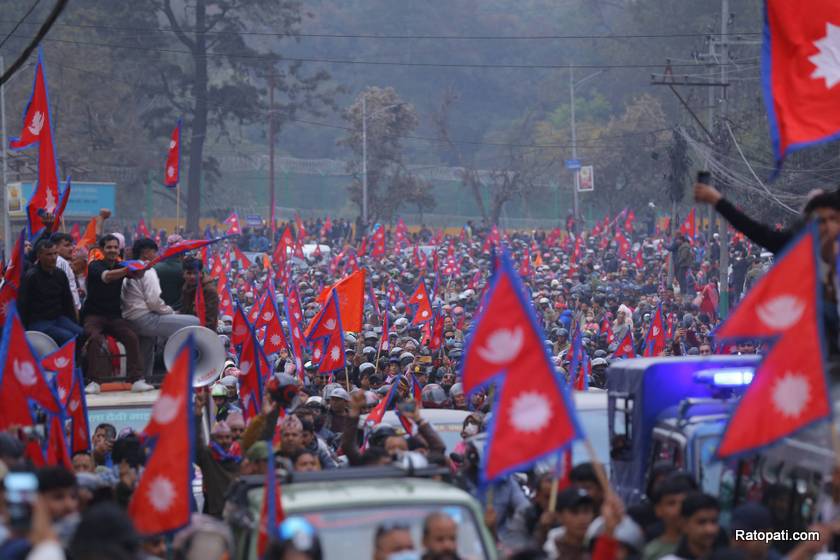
x,y
591,287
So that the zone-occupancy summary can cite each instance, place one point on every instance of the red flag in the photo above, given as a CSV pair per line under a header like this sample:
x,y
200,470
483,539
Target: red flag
x,y
351,299
625,347
525,267
275,340
12,278
225,301
21,378
161,502
420,298
180,248
535,416
75,233
62,205
628,222
623,246
436,342
240,256
200,307
37,129
255,369
640,261
301,230
76,408
57,452
789,389
142,231
232,223
327,227
294,316
606,328
271,513
384,342
240,327
655,339
799,70
62,362
298,250
172,172
326,336
689,227
378,243
89,237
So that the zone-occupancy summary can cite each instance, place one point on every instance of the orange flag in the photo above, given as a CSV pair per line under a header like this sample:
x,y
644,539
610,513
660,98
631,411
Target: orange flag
x,y
351,299
89,238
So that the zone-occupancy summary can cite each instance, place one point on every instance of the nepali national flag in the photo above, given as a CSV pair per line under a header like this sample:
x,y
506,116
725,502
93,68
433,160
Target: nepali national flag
x,y
271,513
378,243
384,343
689,225
21,377
239,329
232,222
62,363
172,172
269,318
37,130
436,341
142,230
789,389
180,248
294,316
255,369
12,277
420,298
225,301
606,329
625,347
800,72
655,339
162,501
327,338
535,417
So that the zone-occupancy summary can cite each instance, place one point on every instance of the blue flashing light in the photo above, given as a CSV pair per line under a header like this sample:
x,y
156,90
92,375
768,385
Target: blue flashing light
x,y
728,377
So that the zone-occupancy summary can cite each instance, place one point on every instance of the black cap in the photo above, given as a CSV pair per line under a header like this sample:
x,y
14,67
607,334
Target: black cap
x,y
751,517
573,497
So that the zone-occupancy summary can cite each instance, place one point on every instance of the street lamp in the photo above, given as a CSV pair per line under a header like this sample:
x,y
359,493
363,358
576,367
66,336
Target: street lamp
x,y
572,86
364,152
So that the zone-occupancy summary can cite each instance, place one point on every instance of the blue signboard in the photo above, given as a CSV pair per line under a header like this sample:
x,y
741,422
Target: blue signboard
x,y
572,164
86,199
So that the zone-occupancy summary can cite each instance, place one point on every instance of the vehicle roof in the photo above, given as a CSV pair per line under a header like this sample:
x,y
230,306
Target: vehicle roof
x,y
122,398
592,399
433,415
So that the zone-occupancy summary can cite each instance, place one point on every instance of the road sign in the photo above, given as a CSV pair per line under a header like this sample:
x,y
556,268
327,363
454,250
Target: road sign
x,y
572,164
253,220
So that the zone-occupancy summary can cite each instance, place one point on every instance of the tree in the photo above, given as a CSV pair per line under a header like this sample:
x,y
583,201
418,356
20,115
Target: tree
x,y
390,183
224,81
518,175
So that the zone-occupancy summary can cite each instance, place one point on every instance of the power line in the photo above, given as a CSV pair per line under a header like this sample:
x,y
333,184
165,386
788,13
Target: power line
x,y
20,22
408,37
383,62
42,31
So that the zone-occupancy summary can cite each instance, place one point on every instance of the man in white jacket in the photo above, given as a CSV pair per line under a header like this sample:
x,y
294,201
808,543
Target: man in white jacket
x,y
143,307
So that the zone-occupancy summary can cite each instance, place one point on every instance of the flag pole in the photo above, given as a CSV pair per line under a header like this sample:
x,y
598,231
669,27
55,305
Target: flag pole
x,y
177,206
600,472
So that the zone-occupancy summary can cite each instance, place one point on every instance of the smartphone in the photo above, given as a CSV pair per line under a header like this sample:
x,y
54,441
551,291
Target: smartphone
x,y
704,177
21,492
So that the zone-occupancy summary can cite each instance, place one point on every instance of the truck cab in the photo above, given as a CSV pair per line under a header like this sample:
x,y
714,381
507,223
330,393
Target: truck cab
x,y
674,411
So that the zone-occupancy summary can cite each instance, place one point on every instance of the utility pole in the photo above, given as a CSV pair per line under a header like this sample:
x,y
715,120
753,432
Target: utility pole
x,y
574,147
7,246
364,163
272,131
723,308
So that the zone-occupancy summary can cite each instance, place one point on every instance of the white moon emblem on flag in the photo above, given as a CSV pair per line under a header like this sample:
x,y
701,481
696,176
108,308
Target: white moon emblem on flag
x,y
530,412
420,297
172,144
316,353
827,61
791,394
503,345
170,171
161,494
781,312
329,324
655,330
267,316
62,393
165,409
61,362
73,405
25,373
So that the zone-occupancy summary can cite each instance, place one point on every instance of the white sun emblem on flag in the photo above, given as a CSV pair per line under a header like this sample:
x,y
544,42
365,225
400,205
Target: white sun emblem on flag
x,y
62,393
296,332
330,324
267,316
791,394
335,353
170,171
245,367
530,412
37,123
316,353
275,340
25,373
165,409
827,60
161,493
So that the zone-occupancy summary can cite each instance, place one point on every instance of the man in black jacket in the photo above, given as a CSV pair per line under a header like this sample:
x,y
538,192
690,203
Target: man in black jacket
x,y
45,300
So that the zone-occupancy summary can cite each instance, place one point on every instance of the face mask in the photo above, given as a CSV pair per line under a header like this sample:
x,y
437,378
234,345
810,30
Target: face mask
x,y
470,429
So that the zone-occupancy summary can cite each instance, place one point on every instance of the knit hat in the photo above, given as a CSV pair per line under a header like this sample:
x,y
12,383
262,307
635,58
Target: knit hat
x,y
220,429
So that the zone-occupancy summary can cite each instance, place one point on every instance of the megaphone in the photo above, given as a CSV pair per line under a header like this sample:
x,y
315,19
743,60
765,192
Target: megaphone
x,y
41,343
209,356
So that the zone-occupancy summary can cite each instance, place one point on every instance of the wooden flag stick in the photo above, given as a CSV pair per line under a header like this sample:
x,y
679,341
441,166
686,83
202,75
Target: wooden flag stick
x,y
600,472
552,498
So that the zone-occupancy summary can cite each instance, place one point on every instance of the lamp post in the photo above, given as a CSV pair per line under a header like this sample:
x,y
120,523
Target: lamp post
x,y
572,86
364,152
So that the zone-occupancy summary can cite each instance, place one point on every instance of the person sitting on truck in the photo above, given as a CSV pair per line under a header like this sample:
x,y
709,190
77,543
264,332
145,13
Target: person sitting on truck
x,y
699,514
667,504
440,537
